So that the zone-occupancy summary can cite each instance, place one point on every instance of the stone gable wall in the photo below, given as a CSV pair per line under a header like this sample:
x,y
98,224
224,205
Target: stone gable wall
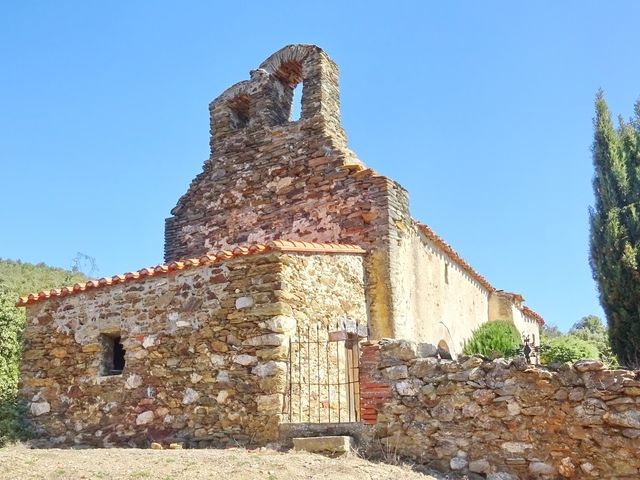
x,y
271,178
502,419
206,351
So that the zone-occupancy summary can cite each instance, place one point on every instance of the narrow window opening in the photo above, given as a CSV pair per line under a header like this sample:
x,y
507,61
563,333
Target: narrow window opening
x,y
446,273
296,103
290,75
239,112
118,356
114,355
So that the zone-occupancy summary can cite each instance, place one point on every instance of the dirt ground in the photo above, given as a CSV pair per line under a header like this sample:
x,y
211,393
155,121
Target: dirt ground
x,y
20,462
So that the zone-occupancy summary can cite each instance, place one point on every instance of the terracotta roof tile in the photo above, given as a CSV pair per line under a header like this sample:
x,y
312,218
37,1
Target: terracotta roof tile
x,y
211,258
451,253
446,248
527,311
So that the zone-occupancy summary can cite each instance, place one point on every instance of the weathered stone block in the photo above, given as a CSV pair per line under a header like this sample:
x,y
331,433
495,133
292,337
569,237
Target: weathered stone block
x,y
458,463
269,339
245,359
244,302
628,419
145,418
424,350
541,468
270,404
480,466
281,324
269,369
588,365
410,387
423,367
190,396
325,445
396,372
39,408
398,351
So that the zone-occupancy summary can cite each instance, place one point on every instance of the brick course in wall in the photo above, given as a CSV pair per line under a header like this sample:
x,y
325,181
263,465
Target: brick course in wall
x,y
374,391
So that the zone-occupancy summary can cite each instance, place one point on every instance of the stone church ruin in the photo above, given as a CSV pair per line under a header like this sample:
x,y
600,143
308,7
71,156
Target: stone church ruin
x,y
282,256
287,262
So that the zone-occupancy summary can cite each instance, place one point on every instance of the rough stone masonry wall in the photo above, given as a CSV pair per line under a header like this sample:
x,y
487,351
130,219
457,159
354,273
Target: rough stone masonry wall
x,y
270,178
206,354
325,297
500,419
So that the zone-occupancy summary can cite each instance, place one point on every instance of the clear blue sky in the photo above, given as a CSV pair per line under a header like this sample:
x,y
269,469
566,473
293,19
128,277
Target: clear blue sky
x,y
482,110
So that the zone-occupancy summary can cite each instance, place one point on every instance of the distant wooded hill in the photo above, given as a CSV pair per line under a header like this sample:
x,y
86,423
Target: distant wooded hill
x,y
16,279
21,278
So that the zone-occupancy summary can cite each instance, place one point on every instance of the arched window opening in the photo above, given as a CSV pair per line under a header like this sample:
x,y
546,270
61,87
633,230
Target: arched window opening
x,y
290,74
296,103
239,112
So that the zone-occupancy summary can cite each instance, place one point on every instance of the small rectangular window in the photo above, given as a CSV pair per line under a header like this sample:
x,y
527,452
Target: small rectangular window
x,y
113,359
446,273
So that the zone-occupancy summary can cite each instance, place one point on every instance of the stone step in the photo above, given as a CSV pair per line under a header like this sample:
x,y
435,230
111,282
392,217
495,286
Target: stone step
x,y
329,445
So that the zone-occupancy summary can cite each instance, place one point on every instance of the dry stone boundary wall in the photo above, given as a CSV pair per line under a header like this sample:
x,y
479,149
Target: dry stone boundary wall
x,y
499,419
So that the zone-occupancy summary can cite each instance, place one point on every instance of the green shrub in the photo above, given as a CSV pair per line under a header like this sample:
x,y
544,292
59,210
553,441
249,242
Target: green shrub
x,y
11,325
13,424
499,337
568,349
17,278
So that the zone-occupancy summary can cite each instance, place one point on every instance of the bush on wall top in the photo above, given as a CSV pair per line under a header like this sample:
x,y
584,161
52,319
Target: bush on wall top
x,y
496,338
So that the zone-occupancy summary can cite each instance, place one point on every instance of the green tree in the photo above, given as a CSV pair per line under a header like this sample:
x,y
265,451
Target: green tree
x,y
18,278
592,330
615,228
568,349
550,331
12,421
11,326
499,337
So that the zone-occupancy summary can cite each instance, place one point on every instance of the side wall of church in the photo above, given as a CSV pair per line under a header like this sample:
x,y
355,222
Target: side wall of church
x,y
440,302
527,325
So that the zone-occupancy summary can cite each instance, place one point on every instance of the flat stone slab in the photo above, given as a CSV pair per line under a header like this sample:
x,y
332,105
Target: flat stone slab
x,y
338,444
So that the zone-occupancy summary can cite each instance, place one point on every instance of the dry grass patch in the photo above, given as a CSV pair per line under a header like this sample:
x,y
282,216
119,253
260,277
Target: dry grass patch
x,y
20,462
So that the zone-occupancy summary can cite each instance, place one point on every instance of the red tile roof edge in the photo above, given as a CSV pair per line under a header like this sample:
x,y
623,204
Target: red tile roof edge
x,y
451,253
536,316
285,246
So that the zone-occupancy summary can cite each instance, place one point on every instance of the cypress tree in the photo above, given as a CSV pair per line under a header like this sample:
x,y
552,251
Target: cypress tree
x,y
615,229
